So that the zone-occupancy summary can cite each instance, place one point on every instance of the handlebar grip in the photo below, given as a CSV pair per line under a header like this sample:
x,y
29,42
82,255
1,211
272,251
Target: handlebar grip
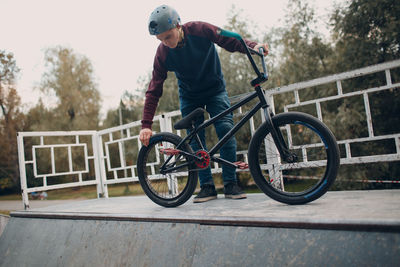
x,y
261,50
230,34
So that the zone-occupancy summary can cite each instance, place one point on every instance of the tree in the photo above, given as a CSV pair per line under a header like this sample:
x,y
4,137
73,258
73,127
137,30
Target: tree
x,y
8,72
235,66
170,99
11,121
129,110
305,55
366,32
69,77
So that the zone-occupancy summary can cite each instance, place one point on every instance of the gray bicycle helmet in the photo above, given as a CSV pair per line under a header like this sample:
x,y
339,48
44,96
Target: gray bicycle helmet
x,y
162,19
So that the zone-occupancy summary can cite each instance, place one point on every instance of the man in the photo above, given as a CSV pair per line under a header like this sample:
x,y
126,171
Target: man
x,y
189,51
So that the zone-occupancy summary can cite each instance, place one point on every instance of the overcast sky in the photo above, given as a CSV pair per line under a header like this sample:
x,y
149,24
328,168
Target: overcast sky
x,y
112,34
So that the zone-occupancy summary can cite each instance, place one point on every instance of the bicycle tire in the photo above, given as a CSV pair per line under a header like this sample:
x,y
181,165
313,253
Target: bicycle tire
x,y
170,190
314,145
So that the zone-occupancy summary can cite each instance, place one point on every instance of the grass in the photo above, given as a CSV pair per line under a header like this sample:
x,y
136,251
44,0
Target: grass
x,y
11,197
84,192
5,212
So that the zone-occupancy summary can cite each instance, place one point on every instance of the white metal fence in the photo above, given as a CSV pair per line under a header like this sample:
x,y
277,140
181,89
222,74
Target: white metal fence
x,y
109,156
58,152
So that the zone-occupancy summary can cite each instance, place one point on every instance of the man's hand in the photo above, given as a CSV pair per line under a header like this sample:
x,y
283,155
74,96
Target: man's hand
x,y
145,135
264,46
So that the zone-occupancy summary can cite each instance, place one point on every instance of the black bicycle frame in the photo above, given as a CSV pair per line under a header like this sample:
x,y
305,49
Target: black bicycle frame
x,y
277,136
275,132
228,135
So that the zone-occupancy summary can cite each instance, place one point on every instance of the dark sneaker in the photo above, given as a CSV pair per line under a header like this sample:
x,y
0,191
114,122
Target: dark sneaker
x,y
233,191
206,193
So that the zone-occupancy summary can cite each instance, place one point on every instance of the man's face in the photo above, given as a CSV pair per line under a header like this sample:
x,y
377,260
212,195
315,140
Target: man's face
x,y
169,38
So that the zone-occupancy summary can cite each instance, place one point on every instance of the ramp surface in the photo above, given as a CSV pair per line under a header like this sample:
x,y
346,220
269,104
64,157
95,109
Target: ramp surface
x,y
3,222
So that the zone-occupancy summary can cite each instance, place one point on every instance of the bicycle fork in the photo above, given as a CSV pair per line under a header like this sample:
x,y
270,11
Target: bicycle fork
x,y
277,136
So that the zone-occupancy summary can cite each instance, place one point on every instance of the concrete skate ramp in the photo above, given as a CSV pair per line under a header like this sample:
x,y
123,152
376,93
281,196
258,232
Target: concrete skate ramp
x,y
132,231
3,221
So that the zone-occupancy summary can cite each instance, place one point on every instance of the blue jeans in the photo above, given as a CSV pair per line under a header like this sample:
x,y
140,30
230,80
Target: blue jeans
x,y
214,106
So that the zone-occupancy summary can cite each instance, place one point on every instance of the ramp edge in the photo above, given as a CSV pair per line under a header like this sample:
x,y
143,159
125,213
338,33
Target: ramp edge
x,y
326,224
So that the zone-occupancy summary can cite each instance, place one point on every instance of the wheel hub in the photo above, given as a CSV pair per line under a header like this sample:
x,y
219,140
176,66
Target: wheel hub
x,y
291,158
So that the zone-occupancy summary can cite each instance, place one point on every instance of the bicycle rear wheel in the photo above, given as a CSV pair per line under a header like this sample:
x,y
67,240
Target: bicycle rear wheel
x,y
169,189
313,171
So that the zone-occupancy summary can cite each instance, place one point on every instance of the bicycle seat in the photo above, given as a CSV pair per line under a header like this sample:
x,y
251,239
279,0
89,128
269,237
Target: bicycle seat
x,y
189,120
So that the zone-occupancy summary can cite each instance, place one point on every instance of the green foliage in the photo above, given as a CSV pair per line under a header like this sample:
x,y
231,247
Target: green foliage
x,y
170,98
69,77
304,53
11,121
8,68
129,110
366,32
235,66
6,183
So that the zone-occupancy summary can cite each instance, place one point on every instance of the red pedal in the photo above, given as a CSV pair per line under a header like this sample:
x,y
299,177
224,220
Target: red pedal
x,y
170,151
241,165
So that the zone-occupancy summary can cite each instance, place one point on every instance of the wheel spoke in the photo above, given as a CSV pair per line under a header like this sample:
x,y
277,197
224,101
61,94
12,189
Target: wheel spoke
x,y
165,176
309,172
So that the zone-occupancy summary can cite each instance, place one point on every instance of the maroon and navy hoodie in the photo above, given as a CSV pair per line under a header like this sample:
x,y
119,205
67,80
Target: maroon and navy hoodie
x,y
196,65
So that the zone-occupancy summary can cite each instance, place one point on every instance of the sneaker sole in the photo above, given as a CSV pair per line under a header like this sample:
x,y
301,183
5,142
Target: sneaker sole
x,y
205,199
241,196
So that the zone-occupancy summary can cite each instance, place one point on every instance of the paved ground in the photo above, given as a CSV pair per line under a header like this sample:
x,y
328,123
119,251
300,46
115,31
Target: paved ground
x,y
380,207
18,205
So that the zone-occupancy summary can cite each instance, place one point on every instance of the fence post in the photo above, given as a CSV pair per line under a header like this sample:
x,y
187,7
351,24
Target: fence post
x,y
100,168
166,126
163,126
22,170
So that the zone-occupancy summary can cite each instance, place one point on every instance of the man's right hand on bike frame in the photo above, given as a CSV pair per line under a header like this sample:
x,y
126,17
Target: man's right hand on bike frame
x,y
145,135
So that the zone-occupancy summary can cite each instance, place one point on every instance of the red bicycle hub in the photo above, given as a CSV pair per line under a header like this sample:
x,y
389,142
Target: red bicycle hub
x,y
205,159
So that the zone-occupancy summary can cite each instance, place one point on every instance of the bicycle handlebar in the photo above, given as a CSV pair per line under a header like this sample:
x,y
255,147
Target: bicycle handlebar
x,y
260,53
261,77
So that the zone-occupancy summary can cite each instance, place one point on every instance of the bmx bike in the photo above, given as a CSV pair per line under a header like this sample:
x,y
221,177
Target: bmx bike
x,y
293,157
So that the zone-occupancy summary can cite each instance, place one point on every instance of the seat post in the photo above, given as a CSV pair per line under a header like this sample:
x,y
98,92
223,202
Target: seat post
x,y
193,128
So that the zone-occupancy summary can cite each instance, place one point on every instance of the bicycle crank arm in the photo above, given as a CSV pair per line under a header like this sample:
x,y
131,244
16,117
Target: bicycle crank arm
x,y
224,162
237,165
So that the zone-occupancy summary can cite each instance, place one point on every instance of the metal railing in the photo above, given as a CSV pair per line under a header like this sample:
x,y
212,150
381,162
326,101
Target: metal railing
x,y
109,156
365,93
38,149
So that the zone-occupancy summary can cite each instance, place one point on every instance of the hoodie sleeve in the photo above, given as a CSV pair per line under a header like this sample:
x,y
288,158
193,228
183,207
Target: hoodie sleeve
x,y
155,89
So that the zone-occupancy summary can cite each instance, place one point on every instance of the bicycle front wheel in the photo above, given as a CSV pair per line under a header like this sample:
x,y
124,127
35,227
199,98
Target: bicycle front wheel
x,y
171,188
315,165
